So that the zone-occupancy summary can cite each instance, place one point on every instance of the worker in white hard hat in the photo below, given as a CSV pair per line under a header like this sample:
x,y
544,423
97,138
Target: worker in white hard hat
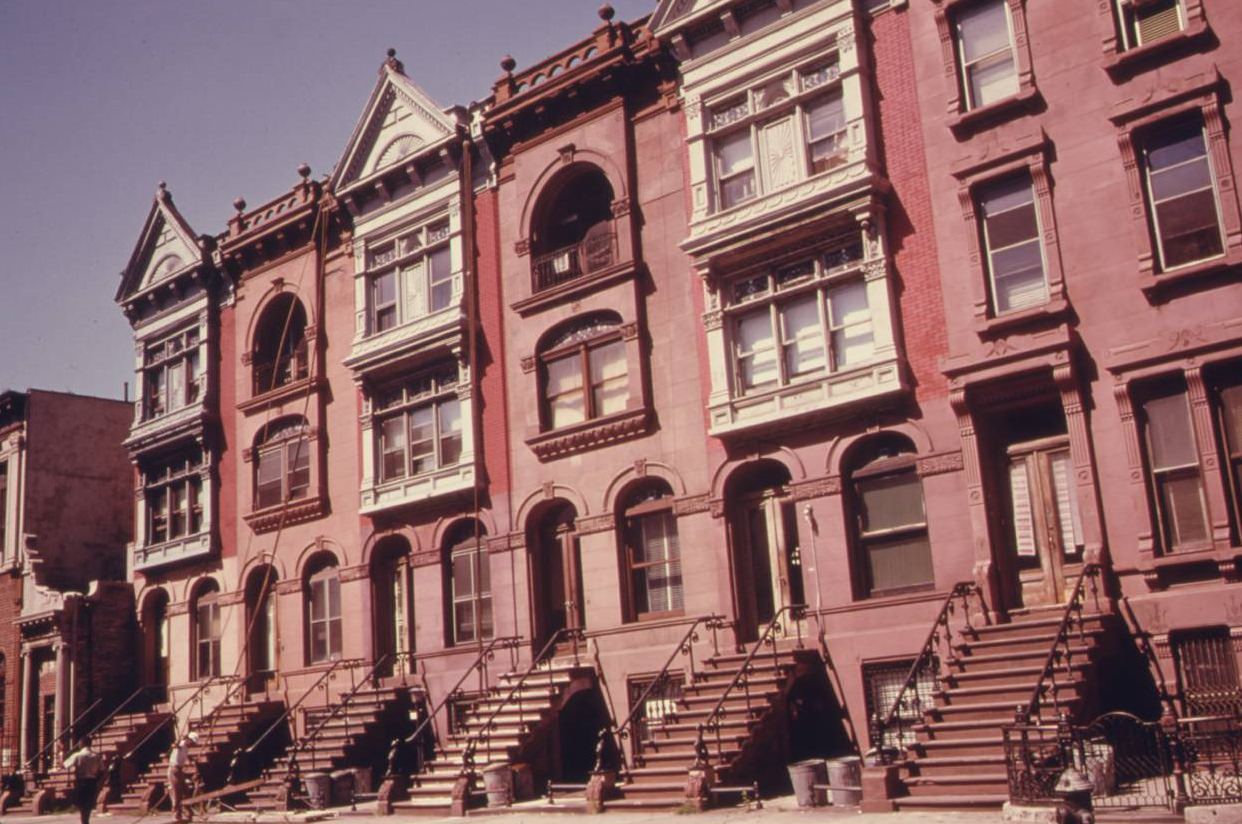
x,y
179,771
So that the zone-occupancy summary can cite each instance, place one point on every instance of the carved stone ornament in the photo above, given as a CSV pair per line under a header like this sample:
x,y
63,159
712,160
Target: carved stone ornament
x,y
817,488
597,523
691,505
940,464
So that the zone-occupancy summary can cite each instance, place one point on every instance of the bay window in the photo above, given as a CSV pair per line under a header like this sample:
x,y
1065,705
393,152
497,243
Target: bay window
x,y
172,496
1174,470
409,276
1182,195
986,58
584,373
282,463
170,370
419,426
799,320
784,130
1011,240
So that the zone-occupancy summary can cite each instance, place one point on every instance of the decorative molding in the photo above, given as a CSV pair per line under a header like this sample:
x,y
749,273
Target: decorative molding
x,y
816,488
295,512
595,433
691,505
354,573
594,524
506,543
940,464
290,587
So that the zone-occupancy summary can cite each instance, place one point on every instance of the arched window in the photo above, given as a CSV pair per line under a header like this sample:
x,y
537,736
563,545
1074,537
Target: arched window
x,y
323,610
206,611
572,232
280,351
282,458
469,583
584,371
652,552
890,521
261,620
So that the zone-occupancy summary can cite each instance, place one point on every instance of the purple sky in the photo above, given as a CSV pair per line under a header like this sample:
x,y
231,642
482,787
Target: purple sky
x,y
101,100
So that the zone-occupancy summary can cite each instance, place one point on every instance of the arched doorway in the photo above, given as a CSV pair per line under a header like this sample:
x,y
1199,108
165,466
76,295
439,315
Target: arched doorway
x,y
155,643
392,611
557,571
763,539
261,628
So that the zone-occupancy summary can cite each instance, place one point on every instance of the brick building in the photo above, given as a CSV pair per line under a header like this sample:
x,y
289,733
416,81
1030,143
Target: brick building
x,y
668,398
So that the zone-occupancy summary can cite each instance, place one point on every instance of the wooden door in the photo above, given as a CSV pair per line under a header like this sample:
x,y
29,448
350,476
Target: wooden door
x,y
768,573
1044,529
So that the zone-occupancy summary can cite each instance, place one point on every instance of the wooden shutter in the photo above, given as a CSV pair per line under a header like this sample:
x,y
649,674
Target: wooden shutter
x,y
1023,517
1067,502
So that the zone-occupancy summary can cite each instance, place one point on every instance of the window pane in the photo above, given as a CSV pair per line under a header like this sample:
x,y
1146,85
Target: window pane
x,y
439,265
299,453
992,79
318,600
803,336
463,621
1231,415
1022,516
450,431
1169,432
853,340
1184,177
392,447
269,478
1189,228
1182,501
899,562
1018,277
608,377
983,29
1066,500
1175,145
890,501
734,154
463,575
756,354
422,439
826,117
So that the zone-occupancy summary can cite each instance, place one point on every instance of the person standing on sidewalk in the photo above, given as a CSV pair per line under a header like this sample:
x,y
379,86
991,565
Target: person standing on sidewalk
x,y
179,767
88,767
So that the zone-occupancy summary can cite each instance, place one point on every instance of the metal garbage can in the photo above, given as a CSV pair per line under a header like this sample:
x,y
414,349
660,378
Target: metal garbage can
x,y
342,787
318,789
845,772
498,783
804,775
362,781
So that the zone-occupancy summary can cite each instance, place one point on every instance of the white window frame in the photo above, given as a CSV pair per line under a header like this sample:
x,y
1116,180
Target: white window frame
x,y
989,251
964,67
407,257
159,357
159,485
430,390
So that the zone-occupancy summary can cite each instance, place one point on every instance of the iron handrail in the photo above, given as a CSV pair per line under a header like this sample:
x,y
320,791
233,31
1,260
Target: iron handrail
x,y
1072,607
196,695
472,744
486,654
56,740
305,741
685,646
961,591
766,638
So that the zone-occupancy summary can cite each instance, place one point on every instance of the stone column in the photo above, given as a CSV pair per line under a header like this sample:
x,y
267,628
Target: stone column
x,y
61,706
23,696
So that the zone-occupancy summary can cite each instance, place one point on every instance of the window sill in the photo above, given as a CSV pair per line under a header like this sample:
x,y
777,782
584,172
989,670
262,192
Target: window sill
x,y
425,486
189,548
595,280
167,427
1156,285
1123,65
1222,556
293,389
441,328
590,434
1003,324
295,512
975,119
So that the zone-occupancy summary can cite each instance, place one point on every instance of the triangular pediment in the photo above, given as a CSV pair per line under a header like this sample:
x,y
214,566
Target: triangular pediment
x,y
674,13
400,121
165,248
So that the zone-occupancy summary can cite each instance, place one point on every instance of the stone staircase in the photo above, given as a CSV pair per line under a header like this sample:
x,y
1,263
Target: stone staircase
x,y
520,732
121,734
957,759
752,729
221,733
359,735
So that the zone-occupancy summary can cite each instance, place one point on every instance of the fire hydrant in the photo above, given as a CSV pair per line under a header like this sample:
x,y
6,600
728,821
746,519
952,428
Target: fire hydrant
x,y
1074,790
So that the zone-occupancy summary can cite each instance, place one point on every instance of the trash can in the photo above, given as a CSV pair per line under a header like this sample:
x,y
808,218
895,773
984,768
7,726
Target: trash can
x,y
342,787
498,783
362,781
318,788
804,775
845,772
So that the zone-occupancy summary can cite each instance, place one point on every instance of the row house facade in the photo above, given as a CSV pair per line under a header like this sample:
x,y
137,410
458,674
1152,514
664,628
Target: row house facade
x,y
808,327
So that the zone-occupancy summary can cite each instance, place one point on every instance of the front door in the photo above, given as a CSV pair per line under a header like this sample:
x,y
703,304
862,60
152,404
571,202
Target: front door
x,y
560,578
1044,530
767,568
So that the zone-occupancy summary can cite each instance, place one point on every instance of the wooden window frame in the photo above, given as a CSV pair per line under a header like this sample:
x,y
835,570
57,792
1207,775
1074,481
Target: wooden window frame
x,y
1154,476
321,582
582,349
631,535
300,440
1227,377
159,483
961,118
442,386
210,646
900,464
412,251
477,550
159,358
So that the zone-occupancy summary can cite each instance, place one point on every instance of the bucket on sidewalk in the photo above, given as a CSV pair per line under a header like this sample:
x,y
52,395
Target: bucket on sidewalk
x,y
498,783
343,787
804,775
318,788
845,772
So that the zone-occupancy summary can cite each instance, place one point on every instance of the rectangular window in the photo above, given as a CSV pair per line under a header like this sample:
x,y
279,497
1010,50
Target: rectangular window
x,y
882,682
1207,671
826,133
735,169
566,403
1175,473
1229,410
609,384
207,633
420,429
325,618
410,276
4,505
1146,21
893,532
1015,254
270,478
440,277
986,53
802,336
472,594
170,378
756,354
1182,195
172,495
384,301
853,334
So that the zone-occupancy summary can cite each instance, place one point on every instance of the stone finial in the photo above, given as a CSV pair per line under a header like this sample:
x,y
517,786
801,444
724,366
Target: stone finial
x,y
508,64
161,191
239,204
304,170
393,63
607,12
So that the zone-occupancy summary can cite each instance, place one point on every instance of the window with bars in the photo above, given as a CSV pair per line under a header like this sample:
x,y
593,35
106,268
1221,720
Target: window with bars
x,y
1174,471
1145,21
207,631
882,682
652,553
585,373
985,50
282,463
660,707
172,491
409,276
170,374
779,132
1207,671
1009,224
1182,197
323,608
418,425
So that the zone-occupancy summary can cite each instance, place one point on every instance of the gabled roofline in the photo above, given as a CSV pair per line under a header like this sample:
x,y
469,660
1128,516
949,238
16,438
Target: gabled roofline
x,y
162,206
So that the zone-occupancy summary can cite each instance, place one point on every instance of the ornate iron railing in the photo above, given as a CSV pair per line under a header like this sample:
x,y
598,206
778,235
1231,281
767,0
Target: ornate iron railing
x,y
1061,653
889,730
1209,753
611,747
1035,757
741,680
597,250
304,742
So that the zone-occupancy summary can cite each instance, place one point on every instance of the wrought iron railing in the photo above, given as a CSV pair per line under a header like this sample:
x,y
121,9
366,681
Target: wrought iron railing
x,y
304,742
597,250
43,756
890,729
574,636
1061,653
199,697
287,368
612,740
480,665
741,681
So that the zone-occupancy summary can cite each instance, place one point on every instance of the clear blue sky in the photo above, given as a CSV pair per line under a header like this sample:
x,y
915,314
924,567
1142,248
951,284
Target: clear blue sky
x,y
102,99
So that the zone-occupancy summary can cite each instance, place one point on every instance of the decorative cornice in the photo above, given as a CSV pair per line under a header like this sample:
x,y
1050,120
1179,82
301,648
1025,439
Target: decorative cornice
x,y
691,505
816,488
592,434
295,512
940,464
